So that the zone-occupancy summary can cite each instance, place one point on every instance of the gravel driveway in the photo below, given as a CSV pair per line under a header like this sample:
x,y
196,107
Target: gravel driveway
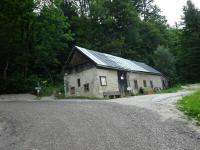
x,y
164,104
92,125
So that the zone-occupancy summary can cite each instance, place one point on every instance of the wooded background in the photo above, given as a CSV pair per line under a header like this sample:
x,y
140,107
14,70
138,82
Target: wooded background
x,y
36,37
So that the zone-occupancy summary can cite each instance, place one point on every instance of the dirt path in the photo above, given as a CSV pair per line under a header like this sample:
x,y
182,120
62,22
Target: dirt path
x,y
164,104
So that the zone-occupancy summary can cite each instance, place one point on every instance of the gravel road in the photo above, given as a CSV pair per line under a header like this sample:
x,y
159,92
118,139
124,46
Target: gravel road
x,y
89,125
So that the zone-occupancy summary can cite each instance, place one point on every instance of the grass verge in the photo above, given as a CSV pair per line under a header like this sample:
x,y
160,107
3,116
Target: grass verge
x,y
190,105
173,89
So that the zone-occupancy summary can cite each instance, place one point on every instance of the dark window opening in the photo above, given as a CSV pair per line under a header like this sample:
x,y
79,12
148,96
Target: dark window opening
x,y
86,87
72,91
103,81
129,84
79,82
163,82
144,83
151,84
135,84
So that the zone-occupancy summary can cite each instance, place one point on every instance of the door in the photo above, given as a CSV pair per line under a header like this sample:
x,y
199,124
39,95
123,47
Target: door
x,y
122,81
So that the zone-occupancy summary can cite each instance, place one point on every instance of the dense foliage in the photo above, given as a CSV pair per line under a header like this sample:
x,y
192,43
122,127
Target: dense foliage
x,y
189,56
34,37
165,62
37,35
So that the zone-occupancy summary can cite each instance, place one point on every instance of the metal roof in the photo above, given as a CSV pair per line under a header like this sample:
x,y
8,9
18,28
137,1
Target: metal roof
x,y
110,61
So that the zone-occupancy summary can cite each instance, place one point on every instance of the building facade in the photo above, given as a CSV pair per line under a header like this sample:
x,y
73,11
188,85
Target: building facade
x,y
93,74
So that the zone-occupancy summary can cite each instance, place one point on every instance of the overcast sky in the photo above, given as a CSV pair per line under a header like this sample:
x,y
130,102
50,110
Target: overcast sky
x,y
173,9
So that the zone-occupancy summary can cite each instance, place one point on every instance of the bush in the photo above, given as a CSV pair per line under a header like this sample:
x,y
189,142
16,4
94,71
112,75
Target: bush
x,y
148,91
18,85
49,89
141,90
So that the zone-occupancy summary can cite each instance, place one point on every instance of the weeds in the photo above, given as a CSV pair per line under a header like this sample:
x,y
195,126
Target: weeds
x,y
190,105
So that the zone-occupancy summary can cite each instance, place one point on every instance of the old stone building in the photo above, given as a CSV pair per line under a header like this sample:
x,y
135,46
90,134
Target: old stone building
x,y
95,74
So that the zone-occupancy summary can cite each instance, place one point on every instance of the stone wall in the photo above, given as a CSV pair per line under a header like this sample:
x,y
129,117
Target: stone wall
x,y
92,77
111,78
156,80
86,77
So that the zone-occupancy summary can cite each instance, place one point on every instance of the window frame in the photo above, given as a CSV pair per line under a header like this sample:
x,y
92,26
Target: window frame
x,y
151,84
100,77
72,90
79,82
163,84
86,87
145,83
136,84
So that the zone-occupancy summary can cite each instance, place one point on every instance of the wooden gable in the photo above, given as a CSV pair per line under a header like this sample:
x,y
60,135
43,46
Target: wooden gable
x,y
78,62
77,59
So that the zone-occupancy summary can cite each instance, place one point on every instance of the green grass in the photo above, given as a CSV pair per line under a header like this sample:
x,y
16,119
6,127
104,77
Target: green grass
x,y
173,89
190,105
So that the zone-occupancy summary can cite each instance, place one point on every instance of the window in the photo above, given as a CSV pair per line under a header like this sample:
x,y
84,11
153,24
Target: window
x,y
163,83
135,84
86,87
79,82
151,84
144,83
128,81
72,91
103,81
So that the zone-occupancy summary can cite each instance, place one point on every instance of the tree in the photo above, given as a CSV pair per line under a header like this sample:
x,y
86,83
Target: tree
x,y
50,39
189,56
34,37
108,26
165,62
15,35
37,35
174,40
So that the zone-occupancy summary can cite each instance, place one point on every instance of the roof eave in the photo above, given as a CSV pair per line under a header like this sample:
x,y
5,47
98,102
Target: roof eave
x,y
135,71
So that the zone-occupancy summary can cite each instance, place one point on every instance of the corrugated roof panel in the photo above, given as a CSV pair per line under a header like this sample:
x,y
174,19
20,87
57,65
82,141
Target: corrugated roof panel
x,y
90,55
107,60
126,64
147,67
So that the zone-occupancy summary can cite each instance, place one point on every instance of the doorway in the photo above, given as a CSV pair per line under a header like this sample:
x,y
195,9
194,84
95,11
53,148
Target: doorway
x,y
122,82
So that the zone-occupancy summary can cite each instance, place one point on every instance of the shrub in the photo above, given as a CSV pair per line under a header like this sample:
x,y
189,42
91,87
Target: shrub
x,y
18,84
49,89
141,90
148,91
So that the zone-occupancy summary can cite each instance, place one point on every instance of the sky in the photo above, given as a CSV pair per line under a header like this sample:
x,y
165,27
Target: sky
x,y
173,9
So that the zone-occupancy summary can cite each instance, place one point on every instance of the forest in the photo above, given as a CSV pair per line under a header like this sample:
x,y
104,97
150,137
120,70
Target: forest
x,y
36,37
